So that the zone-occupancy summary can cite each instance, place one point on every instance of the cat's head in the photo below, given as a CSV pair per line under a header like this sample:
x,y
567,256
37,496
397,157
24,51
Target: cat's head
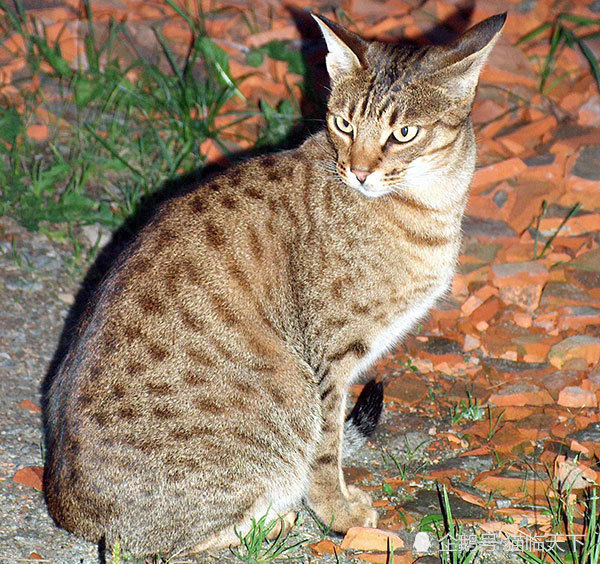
x,y
399,116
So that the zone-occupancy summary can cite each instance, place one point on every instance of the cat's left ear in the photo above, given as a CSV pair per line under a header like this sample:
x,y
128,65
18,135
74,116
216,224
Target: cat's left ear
x,y
462,61
346,49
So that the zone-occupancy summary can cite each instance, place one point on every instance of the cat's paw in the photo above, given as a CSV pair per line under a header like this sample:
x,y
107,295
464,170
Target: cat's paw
x,y
361,515
355,509
356,495
284,525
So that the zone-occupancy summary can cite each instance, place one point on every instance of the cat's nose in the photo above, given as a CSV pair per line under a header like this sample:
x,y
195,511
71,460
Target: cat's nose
x,y
360,174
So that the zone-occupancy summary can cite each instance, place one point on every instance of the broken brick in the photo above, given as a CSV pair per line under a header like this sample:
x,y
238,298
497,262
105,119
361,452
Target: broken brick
x,y
521,394
583,347
574,396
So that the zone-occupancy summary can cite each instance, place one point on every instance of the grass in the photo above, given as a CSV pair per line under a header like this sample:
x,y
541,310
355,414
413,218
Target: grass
x,y
566,31
470,410
580,548
406,464
121,125
573,211
255,548
449,532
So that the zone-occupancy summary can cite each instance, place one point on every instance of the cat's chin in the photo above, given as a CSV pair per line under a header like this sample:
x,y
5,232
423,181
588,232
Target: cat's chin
x,y
370,190
372,193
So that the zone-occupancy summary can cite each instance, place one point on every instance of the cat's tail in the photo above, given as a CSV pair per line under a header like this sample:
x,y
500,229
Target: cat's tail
x,y
362,420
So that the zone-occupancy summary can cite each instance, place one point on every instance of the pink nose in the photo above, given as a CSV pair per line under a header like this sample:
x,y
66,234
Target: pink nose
x,y
361,174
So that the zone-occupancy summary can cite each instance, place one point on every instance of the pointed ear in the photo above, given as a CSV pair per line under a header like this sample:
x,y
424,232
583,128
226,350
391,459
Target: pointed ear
x,y
459,64
346,49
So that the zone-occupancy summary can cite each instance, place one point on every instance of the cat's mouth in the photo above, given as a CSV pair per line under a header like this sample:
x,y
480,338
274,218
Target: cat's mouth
x,y
371,186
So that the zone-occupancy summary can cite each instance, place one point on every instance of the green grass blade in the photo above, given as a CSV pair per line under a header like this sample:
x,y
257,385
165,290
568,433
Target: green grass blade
x,y
219,59
182,14
168,53
557,37
587,53
582,20
533,34
113,152
571,213
537,229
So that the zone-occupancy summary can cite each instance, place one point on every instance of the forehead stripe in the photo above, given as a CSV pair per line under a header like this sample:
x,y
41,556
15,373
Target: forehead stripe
x,y
351,109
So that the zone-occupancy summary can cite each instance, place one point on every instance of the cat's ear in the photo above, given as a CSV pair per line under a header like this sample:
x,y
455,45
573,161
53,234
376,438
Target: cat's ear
x,y
346,49
460,63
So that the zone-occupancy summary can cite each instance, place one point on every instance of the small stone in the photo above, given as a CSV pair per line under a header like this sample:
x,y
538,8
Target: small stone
x,y
367,538
588,163
422,542
471,343
574,396
522,319
35,556
66,298
577,346
30,476
96,234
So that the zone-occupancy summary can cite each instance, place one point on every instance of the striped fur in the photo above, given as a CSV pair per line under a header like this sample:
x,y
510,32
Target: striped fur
x,y
207,385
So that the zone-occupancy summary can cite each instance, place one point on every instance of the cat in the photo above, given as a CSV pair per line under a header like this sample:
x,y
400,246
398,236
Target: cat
x,y
206,386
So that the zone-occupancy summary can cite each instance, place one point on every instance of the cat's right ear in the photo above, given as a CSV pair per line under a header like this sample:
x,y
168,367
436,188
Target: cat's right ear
x,y
346,49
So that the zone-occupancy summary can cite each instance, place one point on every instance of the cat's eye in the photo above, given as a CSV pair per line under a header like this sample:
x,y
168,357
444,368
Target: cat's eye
x,y
404,134
343,124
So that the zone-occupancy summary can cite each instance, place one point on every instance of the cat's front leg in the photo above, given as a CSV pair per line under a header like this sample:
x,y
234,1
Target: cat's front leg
x,y
336,504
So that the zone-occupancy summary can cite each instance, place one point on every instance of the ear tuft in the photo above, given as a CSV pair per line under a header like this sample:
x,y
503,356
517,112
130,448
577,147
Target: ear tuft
x,y
346,49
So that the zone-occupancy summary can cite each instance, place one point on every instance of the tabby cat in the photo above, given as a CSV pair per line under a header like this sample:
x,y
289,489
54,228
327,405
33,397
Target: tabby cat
x,y
207,384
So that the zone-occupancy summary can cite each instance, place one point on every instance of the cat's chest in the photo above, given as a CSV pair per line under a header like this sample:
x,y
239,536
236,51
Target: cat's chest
x,y
384,336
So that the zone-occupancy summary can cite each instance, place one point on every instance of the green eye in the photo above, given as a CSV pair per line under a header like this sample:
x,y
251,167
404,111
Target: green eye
x,y
343,124
404,134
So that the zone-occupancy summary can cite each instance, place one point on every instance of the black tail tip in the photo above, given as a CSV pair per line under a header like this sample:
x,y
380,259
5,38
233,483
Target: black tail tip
x,y
367,410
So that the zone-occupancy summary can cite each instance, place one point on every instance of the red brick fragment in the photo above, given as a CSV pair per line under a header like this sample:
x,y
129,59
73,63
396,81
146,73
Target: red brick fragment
x,y
407,389
366,538
324,546
577,317
508,485
521,394
574,396
30,406
520,283
30,476
497,172
583,347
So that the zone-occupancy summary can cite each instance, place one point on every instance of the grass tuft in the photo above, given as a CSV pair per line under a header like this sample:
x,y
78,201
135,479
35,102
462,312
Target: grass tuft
x,y
580,548
566,31
255,548
119,125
